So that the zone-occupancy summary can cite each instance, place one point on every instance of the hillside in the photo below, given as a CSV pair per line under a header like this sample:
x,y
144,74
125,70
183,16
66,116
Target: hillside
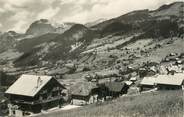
x,y
142,20
53,47
128,40
137,44
161,104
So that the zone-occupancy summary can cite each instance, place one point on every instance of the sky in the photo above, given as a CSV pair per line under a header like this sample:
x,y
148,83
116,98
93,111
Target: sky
x,y
17,15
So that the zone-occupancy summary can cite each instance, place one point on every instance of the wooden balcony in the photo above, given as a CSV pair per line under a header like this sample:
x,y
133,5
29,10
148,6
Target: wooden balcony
x,y
38,101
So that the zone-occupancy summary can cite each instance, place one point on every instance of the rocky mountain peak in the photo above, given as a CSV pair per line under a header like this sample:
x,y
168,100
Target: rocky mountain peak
x,y
40,27
44,26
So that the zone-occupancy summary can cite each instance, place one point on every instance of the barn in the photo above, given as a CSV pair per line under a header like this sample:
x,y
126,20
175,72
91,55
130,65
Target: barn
x,y
33,93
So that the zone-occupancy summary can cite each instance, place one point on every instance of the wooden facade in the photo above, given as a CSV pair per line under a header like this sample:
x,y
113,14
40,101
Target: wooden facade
x,y
84,100
169,87
112,89
144,87
163,82
49,96
84,93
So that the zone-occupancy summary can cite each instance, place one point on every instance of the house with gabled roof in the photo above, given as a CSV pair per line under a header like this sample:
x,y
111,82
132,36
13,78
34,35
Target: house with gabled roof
x,y
84,93
147,83
33,93
113,89
163,82
170,82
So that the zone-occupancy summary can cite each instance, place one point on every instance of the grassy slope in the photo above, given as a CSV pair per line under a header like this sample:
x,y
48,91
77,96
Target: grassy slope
x,y
157,104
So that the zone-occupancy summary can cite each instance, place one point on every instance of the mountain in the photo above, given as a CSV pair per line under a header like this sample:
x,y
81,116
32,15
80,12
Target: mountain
x,y
130,40
143,20
40,27
53,47
93,23
44,26
8,40
174,9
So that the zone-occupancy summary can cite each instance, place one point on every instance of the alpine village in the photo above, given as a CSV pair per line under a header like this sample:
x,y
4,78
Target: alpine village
x,y
128,66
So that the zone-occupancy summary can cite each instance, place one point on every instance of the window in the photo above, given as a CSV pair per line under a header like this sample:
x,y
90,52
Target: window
x,y
43,96
54,93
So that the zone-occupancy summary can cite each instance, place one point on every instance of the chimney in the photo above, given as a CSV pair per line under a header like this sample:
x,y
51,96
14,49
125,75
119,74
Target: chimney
x,y
39,82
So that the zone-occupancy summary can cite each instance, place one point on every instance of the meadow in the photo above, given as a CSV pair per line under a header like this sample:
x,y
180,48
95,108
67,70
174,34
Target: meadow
x,y
154,104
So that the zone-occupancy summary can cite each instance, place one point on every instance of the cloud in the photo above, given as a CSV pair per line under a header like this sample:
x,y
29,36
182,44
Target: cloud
x,y
1,10
19,26
19,14
113,8
1,25
18,2
48,13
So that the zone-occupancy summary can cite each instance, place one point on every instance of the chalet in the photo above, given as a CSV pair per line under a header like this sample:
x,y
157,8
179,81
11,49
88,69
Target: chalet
x,y
170,82
147,83
163,82
84,93
114,89
32,93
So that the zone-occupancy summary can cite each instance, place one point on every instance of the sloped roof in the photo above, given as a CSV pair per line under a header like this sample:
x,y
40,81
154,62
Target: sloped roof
x,y
128,83
107,73
148,81
133,79
114,86
83,88
28,85
176,79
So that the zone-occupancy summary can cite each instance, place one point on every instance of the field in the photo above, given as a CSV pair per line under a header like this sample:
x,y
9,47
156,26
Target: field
x,y
155,104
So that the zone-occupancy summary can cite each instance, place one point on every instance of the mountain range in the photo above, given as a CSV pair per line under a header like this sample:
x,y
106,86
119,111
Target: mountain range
x,y
46,43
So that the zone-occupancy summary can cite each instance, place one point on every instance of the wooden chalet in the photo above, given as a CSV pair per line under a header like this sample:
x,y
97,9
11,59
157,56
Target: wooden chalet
x,y
163,82
147,83
84,93
170,82
113,89
32,93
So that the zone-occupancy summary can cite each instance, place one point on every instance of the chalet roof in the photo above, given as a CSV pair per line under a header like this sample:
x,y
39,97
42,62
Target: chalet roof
x,y
133,79
128,83
28,85
114,86
107,73
176,79
83,88
148,81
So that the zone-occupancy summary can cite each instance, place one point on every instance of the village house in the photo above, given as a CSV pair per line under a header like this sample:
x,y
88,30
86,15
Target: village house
x,y
84,93
163,82
147,83
32,94
170,82
113,89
